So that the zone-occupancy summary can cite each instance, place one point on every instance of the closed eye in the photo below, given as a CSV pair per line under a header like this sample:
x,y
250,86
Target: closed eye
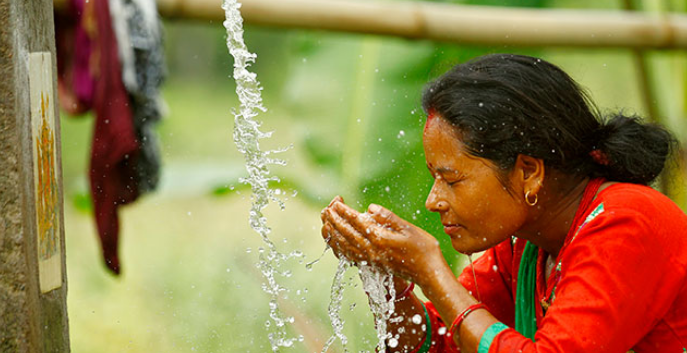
x,y
454,182
450,176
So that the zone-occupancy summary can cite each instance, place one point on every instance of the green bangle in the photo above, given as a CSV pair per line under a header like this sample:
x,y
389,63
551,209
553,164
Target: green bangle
x,y
489,335
428,339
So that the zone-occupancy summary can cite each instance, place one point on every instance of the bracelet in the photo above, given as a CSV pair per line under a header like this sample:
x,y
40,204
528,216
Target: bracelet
x,y
427,344
459,319
406,292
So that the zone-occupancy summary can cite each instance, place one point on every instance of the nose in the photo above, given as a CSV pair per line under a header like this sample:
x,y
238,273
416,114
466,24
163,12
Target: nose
x,y
435,202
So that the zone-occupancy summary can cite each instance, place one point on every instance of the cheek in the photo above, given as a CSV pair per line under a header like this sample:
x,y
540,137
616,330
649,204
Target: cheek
x,y
498,214
506,218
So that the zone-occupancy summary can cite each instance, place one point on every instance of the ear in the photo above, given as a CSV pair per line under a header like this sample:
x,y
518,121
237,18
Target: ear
x,y
529,173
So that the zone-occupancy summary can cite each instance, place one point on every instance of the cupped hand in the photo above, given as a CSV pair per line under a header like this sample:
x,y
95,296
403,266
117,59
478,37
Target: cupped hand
x,y
380,238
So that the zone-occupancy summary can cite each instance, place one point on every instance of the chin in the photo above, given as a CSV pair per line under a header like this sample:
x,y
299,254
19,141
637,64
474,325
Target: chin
x,y
465,247
470,247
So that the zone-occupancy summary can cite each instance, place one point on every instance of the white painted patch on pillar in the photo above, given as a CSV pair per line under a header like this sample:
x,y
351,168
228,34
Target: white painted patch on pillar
x,y
45,170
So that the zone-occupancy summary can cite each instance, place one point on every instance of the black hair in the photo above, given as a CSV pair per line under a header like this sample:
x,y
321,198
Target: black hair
x,y
503,105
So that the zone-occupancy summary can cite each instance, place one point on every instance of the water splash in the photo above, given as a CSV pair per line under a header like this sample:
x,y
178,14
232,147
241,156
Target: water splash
x,y
379,287
336,297
381,293
247,136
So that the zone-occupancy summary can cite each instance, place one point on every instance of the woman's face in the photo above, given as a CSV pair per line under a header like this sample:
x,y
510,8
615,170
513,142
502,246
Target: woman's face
x,y
476,210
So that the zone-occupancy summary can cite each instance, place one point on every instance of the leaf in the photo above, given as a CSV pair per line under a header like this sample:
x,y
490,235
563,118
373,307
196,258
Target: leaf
x,y
82,202
319,153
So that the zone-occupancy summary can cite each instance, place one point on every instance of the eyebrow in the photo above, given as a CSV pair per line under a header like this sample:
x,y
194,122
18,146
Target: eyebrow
x,y
443,170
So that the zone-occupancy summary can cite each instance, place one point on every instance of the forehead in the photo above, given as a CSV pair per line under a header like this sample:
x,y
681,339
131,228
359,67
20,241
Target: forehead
x,y
442,141
439,129
446,153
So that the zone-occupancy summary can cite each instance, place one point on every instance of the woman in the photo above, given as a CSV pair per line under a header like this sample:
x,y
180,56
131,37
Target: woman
x,y
580,255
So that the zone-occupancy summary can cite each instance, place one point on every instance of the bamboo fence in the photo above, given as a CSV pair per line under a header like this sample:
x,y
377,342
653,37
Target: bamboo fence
x,y
462,24
484,25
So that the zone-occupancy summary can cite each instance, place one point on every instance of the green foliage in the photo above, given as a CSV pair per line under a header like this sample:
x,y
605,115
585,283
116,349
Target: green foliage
x,y
82,202
372,140
320,155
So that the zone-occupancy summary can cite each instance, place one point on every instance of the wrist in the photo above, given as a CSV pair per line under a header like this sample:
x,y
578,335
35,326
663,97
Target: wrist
x,y
435,279
402,289
405,293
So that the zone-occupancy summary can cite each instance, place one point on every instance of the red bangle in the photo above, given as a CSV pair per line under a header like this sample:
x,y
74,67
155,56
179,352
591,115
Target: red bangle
x,y
406,292
459,319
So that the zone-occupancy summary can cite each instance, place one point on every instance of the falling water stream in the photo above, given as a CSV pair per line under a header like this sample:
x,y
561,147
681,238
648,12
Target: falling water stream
x,y
379,286
247,136
381,293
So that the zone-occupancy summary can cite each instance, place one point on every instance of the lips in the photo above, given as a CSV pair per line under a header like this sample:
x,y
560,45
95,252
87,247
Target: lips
x,y
452,229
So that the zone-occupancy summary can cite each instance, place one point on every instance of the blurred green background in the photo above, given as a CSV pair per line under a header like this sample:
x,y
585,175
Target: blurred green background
x,y
350,107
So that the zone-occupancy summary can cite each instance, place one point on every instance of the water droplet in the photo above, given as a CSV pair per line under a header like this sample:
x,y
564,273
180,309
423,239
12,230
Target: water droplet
x,y
417,319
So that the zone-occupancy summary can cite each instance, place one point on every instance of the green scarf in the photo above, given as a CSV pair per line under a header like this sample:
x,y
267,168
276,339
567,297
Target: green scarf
x,y
525,317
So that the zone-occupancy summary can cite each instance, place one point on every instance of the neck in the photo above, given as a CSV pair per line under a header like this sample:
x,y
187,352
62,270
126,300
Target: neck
x,y
549,222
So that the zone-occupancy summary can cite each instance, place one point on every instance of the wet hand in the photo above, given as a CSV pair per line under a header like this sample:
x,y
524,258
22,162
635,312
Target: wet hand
x,y
380,238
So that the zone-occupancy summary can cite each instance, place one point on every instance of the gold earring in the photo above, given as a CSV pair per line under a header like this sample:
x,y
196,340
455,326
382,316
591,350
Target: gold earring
x,y
527,199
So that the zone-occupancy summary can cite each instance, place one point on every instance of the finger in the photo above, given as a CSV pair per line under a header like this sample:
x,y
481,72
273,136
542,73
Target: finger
x,y
338,198
326,231
387,218
362,222
340,246
352,235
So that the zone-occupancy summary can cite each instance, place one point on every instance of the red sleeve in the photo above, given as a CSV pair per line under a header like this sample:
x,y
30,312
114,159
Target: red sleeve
x,y
615,286
493,270
494,280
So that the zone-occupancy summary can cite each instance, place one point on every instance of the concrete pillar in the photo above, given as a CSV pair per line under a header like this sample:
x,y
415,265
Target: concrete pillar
x,y
33,282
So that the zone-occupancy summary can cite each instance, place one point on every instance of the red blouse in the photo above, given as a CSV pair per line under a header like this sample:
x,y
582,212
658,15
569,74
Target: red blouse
x,y
620,282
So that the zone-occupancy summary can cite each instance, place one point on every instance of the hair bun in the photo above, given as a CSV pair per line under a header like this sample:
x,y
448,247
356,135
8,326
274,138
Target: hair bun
x,y
635,152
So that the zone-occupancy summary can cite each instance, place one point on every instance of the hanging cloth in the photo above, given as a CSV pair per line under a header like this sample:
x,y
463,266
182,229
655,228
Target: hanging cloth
x,y
139,35
90,78
111,62
115,145
75,36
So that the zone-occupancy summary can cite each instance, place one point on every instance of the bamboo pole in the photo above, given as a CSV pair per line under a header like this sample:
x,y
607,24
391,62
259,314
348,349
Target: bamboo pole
x,y
649,98
483,25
